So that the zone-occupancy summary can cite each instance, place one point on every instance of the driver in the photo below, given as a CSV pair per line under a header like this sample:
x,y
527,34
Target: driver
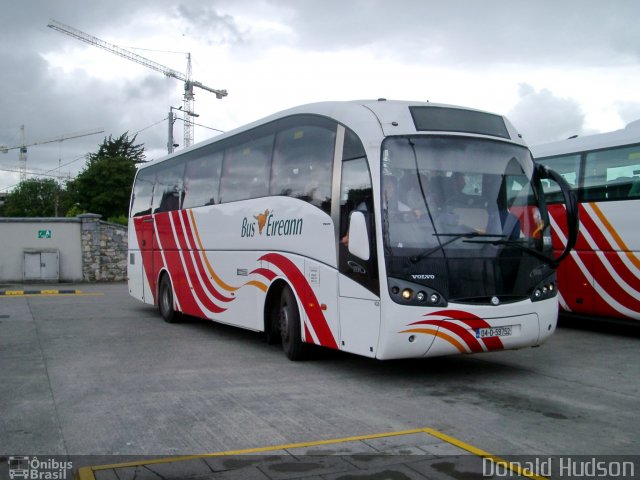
x,y
390,200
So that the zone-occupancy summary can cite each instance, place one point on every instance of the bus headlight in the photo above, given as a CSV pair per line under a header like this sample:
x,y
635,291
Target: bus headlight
x,y
545,289
409,293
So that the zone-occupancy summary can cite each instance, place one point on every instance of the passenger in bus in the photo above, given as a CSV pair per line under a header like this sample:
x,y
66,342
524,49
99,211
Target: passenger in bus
x,y
502,221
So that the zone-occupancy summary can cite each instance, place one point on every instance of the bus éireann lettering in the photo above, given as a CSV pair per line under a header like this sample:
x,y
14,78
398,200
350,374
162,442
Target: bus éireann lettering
x,y
270,226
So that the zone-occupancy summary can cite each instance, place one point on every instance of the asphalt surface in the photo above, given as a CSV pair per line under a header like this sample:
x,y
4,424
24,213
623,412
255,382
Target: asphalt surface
x,y
99,373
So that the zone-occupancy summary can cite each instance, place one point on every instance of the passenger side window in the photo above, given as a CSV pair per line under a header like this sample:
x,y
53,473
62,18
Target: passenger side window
x,y
613,174
356,193
568,166
245,170
142,192
168,188
202,181
302,164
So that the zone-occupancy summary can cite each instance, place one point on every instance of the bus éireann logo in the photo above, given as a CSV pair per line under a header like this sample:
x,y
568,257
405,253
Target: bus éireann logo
x,y
262,220
270,226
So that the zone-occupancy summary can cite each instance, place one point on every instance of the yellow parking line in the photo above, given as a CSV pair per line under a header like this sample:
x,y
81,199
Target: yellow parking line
x,y
86,473
481,453
47,293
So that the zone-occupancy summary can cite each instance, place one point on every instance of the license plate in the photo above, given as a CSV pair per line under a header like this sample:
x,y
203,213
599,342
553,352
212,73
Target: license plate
x,y
494,332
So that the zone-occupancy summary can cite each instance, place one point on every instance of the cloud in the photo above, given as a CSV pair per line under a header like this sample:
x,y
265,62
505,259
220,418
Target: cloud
x,y
272,54
628,111
471,32
542,117
204,21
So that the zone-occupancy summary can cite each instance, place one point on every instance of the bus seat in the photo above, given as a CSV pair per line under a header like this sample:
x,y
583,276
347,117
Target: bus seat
x,y
618,188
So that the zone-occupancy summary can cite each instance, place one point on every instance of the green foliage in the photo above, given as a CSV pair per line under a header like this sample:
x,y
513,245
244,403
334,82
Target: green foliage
x,y
120,220
74,211
120,147
104,186
37,198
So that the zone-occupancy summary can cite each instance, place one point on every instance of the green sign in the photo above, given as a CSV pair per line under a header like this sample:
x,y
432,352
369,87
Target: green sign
x,y
44,233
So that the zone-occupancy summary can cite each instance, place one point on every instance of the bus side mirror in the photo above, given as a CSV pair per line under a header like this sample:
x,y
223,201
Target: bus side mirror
x,y
571,205
358,236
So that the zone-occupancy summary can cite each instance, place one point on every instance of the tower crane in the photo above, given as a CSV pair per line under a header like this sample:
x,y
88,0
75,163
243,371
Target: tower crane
x,y
189,83
22,155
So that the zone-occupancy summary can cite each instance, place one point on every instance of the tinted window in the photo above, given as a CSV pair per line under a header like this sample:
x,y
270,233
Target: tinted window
x,y
568,166
302,164
246,169
440,119
142,192
202,181
612,174
356,193
168,188
352,146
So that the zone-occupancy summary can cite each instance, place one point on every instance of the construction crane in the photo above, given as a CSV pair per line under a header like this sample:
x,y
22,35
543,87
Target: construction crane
x,y
189,83
22,155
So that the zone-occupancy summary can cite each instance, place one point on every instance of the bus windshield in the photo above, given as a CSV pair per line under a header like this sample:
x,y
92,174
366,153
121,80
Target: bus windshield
x,y
464,216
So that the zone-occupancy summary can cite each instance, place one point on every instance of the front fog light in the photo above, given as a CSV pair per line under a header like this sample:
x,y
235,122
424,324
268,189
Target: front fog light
x,y
420,296
434,298
537,293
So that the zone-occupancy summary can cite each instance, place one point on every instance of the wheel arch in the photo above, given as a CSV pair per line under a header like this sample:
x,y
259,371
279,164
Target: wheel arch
x,y
271,300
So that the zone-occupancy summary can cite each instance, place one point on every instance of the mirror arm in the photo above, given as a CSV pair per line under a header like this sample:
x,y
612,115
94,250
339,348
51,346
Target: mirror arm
x,y
571,203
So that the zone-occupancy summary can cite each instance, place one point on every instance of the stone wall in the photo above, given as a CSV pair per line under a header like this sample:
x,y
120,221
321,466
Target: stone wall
x,y
104,249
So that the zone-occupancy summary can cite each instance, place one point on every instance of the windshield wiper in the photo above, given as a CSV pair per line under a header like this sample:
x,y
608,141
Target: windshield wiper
x,y
454,237
519,244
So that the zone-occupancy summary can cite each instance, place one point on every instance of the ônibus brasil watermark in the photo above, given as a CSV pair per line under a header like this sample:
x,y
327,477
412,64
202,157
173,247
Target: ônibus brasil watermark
x,y
34,468
558,467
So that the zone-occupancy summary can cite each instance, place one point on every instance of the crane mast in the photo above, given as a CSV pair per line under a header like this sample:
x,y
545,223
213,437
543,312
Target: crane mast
x,y
189,83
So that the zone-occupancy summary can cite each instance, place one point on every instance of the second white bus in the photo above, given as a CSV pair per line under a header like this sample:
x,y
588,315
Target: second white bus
x,y
382,228
601,278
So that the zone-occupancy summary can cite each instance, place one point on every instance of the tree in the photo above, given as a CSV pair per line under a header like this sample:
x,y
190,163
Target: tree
x,y
120,147
104,186
37,197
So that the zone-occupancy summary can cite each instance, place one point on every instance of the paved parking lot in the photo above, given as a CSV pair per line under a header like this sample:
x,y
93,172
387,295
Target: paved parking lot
x,y
98,373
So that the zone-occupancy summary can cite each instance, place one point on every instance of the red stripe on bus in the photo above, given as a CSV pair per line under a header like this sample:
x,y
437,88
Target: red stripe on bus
x,y
198,287
307,298
466,335
473,321
266,273
199,265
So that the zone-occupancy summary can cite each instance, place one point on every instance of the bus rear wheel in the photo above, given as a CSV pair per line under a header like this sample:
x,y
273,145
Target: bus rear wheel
x,y
165,301
289,319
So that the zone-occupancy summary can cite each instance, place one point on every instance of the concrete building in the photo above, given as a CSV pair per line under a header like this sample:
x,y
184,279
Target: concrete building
x,y
83,248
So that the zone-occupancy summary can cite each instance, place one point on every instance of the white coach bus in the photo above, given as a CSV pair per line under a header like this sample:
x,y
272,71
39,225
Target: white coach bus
x,y
382,228
601,277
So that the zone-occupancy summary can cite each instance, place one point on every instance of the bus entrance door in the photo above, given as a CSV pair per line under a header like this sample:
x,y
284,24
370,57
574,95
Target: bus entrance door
x,y
359,304
147,233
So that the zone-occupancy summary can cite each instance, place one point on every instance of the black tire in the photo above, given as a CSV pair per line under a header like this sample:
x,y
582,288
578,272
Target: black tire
x,y
165,301
272,327
289,319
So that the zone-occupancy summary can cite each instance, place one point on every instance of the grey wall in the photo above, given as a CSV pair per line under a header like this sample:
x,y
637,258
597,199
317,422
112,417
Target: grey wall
x,y
18,234
89,249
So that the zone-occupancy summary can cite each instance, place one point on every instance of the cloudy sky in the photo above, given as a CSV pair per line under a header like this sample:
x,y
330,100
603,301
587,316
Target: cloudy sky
x,y
555,68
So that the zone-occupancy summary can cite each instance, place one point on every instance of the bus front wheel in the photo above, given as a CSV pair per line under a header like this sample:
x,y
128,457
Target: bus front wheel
x,y
292,343
165,301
